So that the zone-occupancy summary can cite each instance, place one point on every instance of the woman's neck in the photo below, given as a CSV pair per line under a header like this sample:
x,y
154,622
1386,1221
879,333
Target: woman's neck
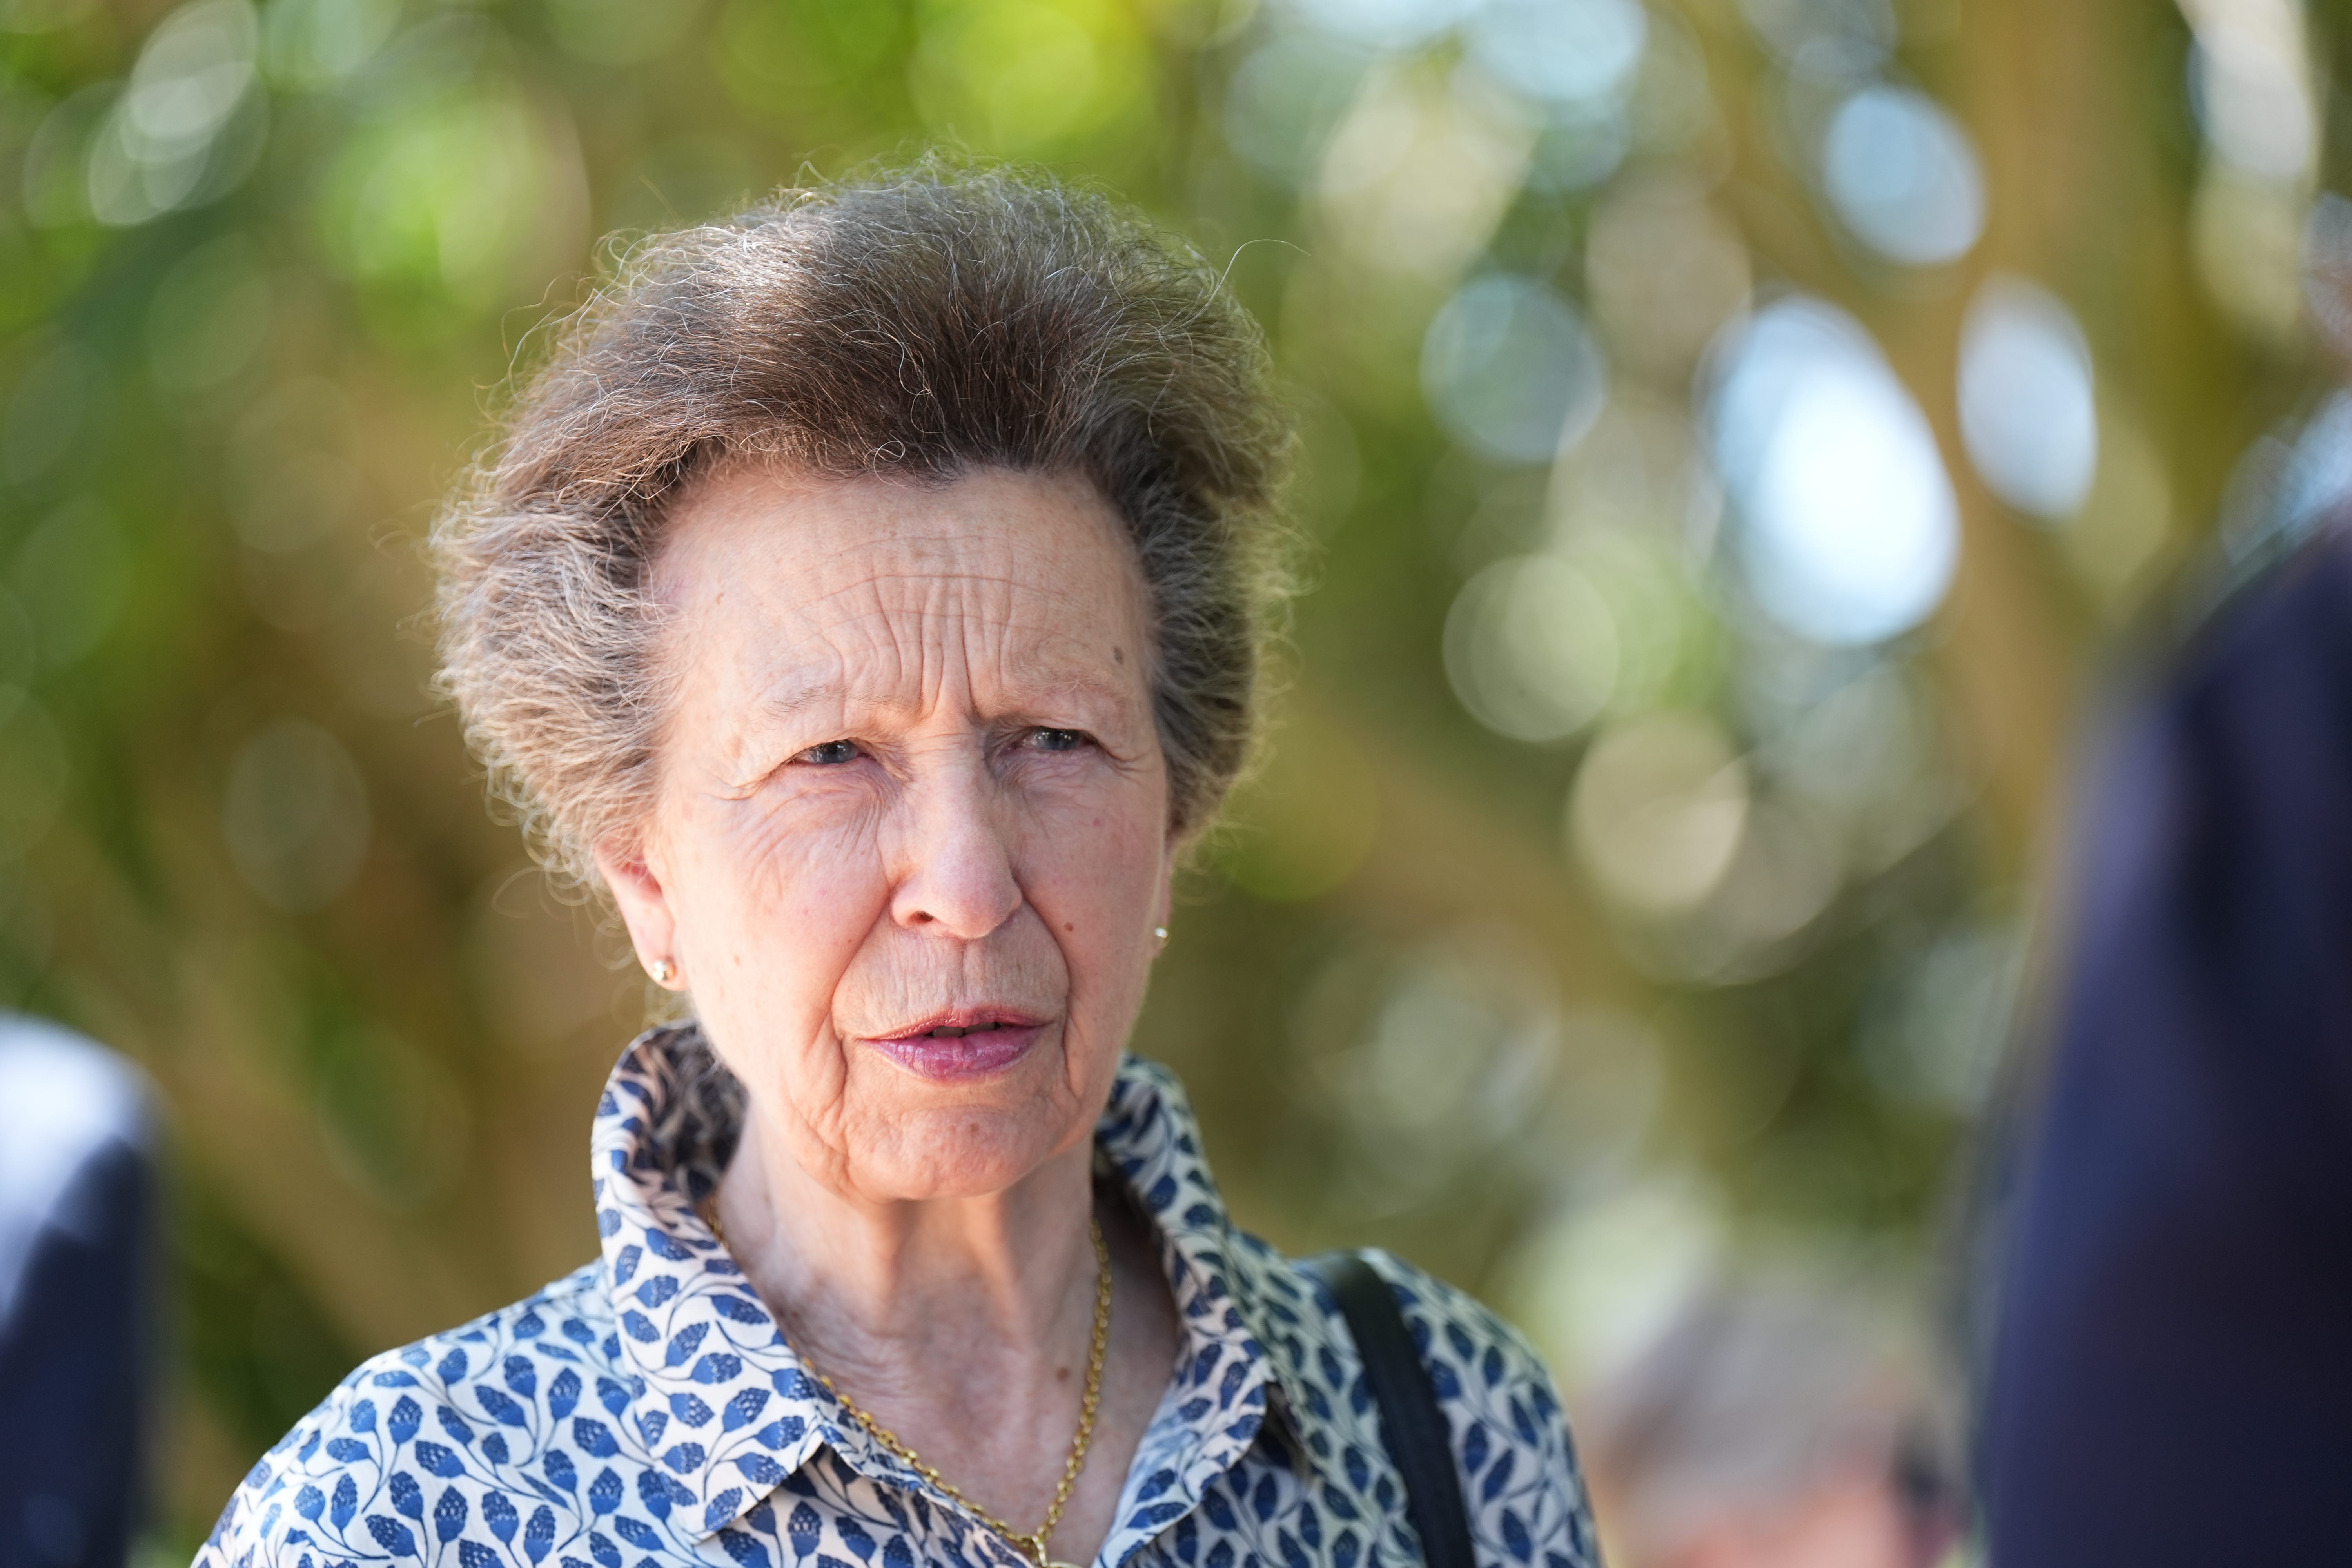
x,y
963,1326
891,1294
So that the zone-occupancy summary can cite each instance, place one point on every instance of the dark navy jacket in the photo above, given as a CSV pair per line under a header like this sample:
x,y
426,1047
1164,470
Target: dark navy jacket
x,y
2171,1380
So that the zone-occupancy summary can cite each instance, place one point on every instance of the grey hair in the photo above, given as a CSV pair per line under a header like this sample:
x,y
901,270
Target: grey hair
x,y
917,323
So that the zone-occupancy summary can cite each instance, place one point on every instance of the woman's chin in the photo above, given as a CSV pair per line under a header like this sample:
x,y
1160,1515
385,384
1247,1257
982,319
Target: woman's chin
x,y
957,1154
966,1134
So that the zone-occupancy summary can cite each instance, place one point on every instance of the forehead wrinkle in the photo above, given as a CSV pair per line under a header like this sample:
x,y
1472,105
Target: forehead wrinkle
x,y
915,639
815,693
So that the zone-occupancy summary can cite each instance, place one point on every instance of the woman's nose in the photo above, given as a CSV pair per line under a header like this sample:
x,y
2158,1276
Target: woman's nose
x,y
956,867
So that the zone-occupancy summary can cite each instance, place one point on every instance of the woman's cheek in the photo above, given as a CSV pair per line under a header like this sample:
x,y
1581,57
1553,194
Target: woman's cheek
x,y
797,883
1099,867
795,830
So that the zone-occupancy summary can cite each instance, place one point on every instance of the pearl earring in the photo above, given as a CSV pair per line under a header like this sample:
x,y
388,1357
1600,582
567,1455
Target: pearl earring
x,y
1160,935
662,970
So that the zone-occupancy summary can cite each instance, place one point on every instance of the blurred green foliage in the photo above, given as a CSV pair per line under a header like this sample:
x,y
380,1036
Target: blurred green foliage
x,y
1585,923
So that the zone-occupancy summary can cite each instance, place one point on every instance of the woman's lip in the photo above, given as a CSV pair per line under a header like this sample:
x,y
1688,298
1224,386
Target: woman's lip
x,y
967,1021
947,1057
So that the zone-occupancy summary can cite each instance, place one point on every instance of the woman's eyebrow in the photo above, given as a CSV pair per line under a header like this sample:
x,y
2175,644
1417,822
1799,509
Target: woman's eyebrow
x,y
1081,686
795,698
792,699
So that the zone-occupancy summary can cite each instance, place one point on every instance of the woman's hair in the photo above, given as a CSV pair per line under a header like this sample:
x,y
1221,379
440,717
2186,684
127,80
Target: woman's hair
x,y
918,323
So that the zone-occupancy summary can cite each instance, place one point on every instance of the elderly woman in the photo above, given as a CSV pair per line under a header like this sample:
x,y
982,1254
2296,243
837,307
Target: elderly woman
x,y
866,596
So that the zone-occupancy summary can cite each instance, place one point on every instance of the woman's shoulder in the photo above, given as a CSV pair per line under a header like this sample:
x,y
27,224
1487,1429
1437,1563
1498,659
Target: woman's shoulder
x,y
1521,1483
327,1488
1470,1352
1462,1336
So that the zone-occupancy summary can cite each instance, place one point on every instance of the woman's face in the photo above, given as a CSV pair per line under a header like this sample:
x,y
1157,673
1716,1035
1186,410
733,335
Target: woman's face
x,y
912,836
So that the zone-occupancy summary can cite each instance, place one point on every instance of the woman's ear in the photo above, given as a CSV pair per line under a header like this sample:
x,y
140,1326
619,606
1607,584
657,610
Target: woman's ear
x,y
644,902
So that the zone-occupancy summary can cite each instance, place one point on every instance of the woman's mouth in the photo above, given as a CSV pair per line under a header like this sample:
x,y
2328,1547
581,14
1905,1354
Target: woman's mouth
x,y
962,1044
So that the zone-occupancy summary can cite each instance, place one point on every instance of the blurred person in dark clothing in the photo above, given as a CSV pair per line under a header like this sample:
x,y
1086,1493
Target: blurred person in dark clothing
x,y
77,1206
2171,1370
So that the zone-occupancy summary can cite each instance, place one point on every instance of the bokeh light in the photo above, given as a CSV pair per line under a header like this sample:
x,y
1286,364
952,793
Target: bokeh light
x,y
1578,54
2251,85
1512,370
1664,270
2028,406
188,127
1660,806
1284,98
1849,528
1418,172
1531,649
1900,173
308,46
1832,41
1385,23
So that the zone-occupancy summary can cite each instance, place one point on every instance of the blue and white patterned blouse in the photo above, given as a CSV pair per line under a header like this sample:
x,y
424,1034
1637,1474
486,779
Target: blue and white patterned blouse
x,y
648,1410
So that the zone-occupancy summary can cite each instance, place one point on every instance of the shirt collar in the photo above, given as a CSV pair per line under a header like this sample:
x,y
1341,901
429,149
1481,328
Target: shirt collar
x,y
728,1408
723,1405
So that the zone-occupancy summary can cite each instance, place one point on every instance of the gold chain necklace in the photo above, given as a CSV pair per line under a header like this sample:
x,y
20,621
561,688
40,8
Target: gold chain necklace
x,y
1033,1541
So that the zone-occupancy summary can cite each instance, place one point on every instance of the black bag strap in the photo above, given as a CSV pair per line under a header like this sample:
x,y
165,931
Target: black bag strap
x,y
1419,1443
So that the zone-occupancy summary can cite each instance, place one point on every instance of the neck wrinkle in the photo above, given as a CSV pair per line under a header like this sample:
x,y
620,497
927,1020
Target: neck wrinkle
x,y
888,1299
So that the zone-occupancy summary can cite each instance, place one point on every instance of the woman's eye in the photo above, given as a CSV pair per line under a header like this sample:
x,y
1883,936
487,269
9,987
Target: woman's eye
x,y
830,754
1057,740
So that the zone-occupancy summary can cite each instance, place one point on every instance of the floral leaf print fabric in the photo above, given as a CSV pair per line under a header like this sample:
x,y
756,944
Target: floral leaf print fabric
x,y
648,1409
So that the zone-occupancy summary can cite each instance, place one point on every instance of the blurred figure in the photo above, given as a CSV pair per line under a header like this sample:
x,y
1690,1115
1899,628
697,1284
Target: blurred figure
x,y
77,1218
1774,1423
2171,1379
